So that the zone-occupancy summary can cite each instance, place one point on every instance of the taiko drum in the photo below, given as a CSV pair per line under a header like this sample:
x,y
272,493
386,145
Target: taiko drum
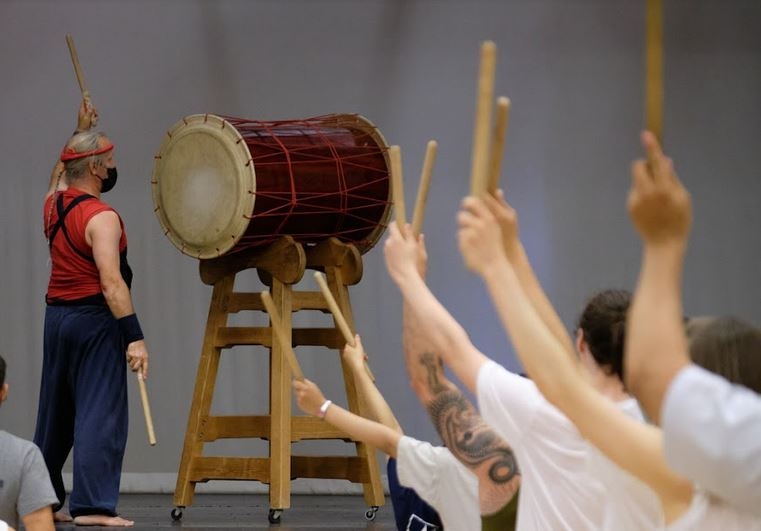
x,y
222,185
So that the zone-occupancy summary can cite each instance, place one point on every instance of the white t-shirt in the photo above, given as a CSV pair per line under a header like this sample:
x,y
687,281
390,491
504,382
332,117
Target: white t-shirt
x,y
630,504
708,513
712,435
557,491
441,480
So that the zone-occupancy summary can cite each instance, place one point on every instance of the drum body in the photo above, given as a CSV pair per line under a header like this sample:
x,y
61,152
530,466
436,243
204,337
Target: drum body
x,y
222,185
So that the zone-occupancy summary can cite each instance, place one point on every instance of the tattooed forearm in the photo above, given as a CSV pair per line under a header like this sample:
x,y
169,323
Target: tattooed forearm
x,y
468,437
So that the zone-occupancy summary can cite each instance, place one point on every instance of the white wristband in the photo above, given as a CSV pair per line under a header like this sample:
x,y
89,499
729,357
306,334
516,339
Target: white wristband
x,y
323,410
3,526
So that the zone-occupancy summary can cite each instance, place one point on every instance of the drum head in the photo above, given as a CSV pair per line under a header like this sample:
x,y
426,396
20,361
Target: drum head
x,y
203,185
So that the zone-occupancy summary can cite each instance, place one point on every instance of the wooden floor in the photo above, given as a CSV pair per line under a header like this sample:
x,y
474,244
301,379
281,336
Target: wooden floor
x,y
239,511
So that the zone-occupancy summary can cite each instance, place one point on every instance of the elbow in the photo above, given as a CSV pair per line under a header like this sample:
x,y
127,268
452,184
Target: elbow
x,y
389,449
111,287
389,443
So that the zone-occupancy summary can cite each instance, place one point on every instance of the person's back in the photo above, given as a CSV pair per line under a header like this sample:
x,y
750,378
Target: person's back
x,y
633,505
439,479
557,491
567,483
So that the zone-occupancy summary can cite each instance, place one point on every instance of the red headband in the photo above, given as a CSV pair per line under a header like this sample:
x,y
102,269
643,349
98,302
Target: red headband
x,y
69,154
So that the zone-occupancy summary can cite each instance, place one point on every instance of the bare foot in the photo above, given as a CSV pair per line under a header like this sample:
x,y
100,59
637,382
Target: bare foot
x,y
61,516
103,520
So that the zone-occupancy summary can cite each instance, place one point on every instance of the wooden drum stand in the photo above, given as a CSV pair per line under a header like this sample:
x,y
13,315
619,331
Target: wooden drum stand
x,y
280,266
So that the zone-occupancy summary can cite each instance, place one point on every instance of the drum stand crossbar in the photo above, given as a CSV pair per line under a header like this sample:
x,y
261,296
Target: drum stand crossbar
x,y
280,266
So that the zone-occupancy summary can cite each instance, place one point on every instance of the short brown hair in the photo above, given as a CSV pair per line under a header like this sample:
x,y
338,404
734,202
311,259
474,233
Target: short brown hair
x,y
728,347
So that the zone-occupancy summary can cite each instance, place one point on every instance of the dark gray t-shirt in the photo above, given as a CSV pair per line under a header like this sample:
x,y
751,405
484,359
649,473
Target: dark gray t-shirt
x,y
24,480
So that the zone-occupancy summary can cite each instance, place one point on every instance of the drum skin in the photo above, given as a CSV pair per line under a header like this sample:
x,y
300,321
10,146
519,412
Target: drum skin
x,y
222,185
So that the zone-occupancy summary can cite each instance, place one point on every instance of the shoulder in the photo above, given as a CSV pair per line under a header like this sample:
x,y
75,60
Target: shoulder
x,y
412,452
698,400
95,206
496,381
409,445
16,446
104,221
9,438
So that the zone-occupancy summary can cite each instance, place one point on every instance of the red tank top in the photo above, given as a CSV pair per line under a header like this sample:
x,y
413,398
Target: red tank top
x,y
74,274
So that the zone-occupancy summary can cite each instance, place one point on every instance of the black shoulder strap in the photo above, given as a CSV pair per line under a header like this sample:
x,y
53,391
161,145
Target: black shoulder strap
x,y
60,225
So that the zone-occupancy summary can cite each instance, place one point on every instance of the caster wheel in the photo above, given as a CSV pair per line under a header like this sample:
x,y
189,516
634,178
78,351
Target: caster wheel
x,y
176,514
370,513
274,516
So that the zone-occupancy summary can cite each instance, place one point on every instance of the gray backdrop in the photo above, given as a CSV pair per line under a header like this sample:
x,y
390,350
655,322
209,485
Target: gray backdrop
x,y
573,69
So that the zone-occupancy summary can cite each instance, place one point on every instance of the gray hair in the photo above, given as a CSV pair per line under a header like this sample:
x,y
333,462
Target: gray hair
x,y
82,143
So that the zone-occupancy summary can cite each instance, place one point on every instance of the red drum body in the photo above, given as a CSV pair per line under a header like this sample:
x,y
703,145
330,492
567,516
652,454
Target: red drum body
x,y
222,185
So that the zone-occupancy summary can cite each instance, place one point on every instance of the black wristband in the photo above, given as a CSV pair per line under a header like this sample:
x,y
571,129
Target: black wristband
x,y
130,328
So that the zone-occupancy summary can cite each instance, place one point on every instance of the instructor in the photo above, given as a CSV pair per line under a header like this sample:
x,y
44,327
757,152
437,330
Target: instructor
x,y
90,323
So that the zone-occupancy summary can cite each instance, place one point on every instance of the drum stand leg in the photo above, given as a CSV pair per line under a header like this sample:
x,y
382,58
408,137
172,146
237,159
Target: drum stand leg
x,y
280,406
204,390
280,266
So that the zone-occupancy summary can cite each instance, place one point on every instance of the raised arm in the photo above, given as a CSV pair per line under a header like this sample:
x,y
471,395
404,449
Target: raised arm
x,y
656,345
710,426
440,329
480,240
633,446
462,430
516,254
311,399
377,406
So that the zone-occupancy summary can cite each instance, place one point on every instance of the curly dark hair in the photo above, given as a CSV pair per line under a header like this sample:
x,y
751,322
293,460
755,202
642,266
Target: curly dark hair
x,y
603,322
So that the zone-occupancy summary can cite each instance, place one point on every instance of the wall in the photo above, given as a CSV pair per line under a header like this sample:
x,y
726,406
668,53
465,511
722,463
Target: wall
x,y
574,71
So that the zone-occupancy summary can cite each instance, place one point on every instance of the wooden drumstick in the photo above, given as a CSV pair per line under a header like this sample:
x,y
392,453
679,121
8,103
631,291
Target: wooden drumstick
x,y
481,130
146,411
498,142
425,183
338,315
80,75
654,68
77,68
277,327
397,185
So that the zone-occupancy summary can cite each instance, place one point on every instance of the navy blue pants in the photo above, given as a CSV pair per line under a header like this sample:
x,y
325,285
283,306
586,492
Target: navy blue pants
x,y
83,403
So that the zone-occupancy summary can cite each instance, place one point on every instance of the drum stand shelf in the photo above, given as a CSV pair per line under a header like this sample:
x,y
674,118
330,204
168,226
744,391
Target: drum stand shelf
x,y
280,266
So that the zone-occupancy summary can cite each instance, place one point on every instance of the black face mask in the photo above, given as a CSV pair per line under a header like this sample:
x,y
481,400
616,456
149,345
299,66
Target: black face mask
x,y
109,182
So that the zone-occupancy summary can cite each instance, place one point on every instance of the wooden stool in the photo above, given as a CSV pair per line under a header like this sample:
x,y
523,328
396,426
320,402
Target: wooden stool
x,y
280,266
